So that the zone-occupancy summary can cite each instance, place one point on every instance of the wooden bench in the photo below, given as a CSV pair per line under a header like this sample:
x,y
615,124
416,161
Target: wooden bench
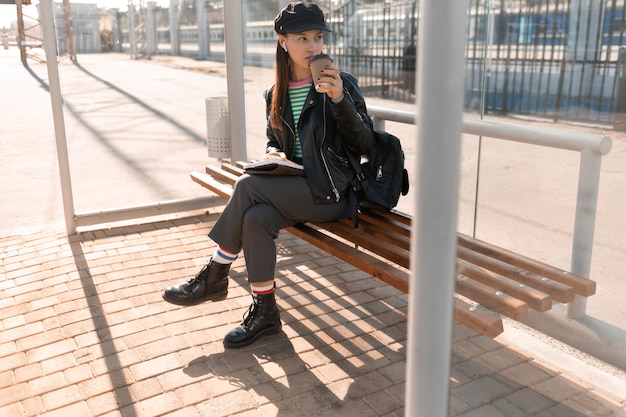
x,y
490,281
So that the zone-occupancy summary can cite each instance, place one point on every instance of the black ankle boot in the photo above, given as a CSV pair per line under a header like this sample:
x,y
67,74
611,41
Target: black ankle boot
x,y
261,319
211,284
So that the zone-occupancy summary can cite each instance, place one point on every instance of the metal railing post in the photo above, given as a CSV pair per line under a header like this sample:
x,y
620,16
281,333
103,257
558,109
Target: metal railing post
x,y
203,35
584,224
174,28
379,123
56,98
233,35
132,37
151,29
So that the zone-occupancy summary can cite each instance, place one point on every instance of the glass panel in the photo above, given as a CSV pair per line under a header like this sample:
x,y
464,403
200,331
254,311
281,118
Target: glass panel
x,y
138,141
554,64
534,63
135,126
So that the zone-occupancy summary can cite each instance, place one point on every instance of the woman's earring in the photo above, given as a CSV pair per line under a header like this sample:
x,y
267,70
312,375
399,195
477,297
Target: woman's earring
x,y
284,47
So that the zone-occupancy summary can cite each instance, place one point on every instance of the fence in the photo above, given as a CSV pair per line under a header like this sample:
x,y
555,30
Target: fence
x,y
554,59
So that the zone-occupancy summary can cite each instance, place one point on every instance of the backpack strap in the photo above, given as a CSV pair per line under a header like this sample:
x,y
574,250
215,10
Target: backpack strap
x,y
357,186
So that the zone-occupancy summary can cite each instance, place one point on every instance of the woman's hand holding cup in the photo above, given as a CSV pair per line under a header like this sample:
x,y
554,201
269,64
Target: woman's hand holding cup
x,y
326,76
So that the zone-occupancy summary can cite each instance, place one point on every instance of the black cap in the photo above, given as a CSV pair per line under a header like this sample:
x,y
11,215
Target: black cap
x,y
299,16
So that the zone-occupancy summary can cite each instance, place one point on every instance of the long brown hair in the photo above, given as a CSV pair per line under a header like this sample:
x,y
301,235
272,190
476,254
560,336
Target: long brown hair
x,y
279,95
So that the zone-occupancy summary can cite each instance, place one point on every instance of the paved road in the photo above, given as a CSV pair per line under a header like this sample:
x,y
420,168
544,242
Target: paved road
x,y
136,128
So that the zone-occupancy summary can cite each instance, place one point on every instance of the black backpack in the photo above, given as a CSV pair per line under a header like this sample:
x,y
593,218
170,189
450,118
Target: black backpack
x,y
381,178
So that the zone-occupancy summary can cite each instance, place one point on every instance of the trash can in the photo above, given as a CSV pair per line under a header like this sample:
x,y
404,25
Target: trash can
x,y
218,127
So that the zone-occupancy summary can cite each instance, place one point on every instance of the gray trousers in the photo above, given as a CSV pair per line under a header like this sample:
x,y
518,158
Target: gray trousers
x,y
259,207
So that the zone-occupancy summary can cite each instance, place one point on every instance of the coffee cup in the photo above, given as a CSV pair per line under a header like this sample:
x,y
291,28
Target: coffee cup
x,y
317,63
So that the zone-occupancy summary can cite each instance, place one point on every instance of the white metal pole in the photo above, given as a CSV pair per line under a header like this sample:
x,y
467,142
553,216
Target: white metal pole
x,y
440,103
233,39
151,29
174,28
132,37
203,35
584,224
49,43
117,33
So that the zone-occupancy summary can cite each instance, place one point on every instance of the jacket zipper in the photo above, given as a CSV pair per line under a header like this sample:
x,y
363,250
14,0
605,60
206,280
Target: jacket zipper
x,y
290,128
330,177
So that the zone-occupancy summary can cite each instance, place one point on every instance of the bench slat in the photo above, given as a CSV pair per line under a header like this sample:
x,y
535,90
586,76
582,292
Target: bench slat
x,y
487,296
560,292
582,286
359,237
478,320
351,255
393,215
232,169
382,233
212,184
535,299
388,221
222,175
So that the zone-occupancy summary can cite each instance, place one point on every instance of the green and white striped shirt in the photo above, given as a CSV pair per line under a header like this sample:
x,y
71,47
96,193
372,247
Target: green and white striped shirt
x,y
298,91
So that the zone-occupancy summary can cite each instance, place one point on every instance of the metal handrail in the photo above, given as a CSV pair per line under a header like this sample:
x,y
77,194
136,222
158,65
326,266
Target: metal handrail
x,y
591,148
553,138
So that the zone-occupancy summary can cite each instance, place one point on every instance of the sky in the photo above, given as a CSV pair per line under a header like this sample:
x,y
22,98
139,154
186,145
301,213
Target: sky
x,y
8,11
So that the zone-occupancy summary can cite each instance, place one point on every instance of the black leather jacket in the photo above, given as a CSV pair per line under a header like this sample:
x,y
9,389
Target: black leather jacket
x,y
327,131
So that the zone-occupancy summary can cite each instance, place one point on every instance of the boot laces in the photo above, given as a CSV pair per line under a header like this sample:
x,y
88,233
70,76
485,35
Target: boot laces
x,y
249,315
202,275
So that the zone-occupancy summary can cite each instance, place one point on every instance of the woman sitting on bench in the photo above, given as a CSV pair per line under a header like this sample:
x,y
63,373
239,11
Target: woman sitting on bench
x,y
311,122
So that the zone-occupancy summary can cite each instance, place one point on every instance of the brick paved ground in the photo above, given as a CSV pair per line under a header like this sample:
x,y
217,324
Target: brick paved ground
x,y
84,332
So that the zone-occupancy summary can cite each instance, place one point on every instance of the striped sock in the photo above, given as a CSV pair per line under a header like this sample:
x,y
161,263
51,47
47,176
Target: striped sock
x,y
261,290
222,256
